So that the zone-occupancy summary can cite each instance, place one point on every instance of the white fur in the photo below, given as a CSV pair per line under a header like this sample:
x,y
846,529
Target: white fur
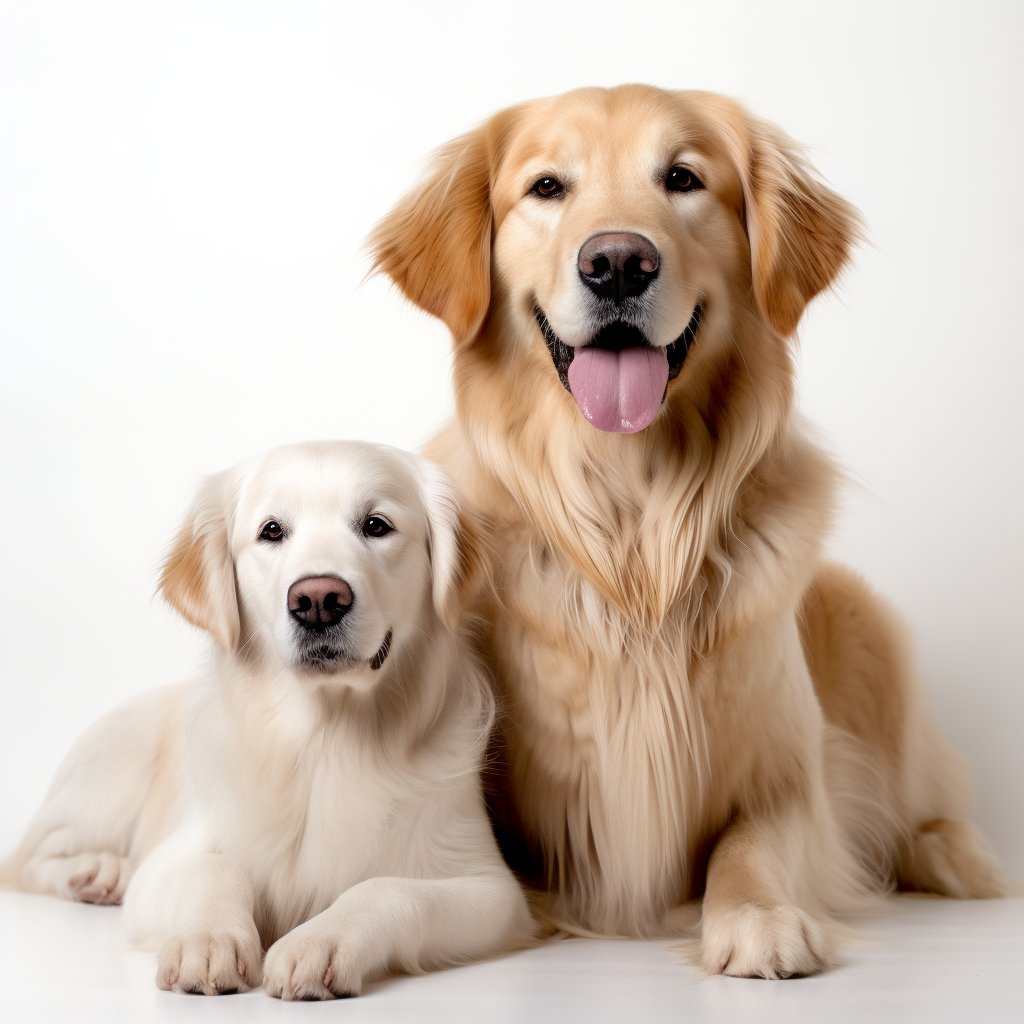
x,y
336,818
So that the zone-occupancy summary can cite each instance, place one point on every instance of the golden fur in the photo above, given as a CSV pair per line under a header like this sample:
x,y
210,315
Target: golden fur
x,y
695,703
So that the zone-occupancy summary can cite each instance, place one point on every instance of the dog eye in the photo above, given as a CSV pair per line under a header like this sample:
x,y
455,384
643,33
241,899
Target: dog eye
x,y
376,526
548,188
271,530
682,179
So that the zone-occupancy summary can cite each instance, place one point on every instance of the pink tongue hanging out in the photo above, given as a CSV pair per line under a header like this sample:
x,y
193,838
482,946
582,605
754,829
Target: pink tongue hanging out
x,y
619,391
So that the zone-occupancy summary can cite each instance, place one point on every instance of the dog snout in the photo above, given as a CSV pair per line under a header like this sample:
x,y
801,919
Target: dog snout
x,y
615,266
319,601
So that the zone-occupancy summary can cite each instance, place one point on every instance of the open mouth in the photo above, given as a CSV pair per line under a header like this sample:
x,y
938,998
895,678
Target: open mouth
x,y
619,379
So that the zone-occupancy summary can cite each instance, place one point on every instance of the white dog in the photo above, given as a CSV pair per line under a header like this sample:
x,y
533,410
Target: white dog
x,y
317,792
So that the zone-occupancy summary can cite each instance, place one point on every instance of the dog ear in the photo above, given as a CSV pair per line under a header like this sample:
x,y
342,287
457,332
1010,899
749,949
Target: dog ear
x,y
198,576
800,231
454,547
436,243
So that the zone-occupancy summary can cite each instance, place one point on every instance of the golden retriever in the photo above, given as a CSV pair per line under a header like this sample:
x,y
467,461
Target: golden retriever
x,y
695,703
333,808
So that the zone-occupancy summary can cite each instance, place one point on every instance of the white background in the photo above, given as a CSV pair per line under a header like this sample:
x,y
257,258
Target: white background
x,y
184,190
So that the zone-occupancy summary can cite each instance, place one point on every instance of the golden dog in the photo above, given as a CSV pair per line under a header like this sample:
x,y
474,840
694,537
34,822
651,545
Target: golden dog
x,y
695,703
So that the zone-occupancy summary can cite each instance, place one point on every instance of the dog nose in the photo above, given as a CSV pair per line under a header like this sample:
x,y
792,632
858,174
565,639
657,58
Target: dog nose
x,y
617,265
319,601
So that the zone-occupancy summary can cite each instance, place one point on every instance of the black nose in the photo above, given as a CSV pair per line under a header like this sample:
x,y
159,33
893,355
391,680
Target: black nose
x,y
319,601
617,265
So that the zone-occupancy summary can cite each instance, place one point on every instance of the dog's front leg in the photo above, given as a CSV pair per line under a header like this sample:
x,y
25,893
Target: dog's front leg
x,y
405,924
196,908
751,925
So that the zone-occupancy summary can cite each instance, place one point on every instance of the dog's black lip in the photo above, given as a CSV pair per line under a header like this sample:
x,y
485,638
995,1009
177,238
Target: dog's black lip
x,y
382,652
562,354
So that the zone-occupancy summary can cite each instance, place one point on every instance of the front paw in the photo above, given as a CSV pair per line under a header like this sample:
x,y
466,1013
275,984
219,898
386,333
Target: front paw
x,y
95,877
312,963
210,964
755,941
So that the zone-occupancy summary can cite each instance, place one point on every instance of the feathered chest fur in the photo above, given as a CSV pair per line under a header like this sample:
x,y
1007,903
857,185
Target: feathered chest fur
x,y
618,686
602,725
612,738
318,806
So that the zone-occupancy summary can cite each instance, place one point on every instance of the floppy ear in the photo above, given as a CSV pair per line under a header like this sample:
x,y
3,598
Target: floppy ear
x,y
198,577
436,243
454,548
800,231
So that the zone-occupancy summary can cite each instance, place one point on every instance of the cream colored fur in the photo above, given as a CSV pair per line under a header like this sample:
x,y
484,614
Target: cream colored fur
x,y
335,818
695,703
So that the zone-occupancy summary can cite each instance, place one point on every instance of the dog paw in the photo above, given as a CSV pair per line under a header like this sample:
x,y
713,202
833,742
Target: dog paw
x,y
210,964
754,941
950,856
95,877
312,963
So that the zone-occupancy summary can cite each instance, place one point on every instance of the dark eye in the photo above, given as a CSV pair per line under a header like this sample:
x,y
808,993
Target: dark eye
x,y
376,526
547,188
682,179
271,530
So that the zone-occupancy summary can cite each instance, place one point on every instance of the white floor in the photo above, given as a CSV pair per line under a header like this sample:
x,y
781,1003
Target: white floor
x,y
932,960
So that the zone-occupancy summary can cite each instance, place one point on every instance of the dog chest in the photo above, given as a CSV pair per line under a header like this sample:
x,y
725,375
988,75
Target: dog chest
x,y
623,764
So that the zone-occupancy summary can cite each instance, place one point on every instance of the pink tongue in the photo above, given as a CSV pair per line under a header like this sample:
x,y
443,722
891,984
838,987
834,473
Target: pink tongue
x,y
620,391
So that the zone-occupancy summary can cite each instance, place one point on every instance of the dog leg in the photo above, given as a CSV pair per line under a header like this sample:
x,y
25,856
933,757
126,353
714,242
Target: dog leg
x,y
750,927
407,924
116,794
197,909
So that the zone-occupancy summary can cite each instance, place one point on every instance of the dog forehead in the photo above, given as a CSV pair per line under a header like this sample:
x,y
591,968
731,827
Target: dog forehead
x,y
599,133
333,478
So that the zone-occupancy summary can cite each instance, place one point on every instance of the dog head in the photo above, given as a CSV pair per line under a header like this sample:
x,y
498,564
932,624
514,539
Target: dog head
x,y
631,260
635,235
328,557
